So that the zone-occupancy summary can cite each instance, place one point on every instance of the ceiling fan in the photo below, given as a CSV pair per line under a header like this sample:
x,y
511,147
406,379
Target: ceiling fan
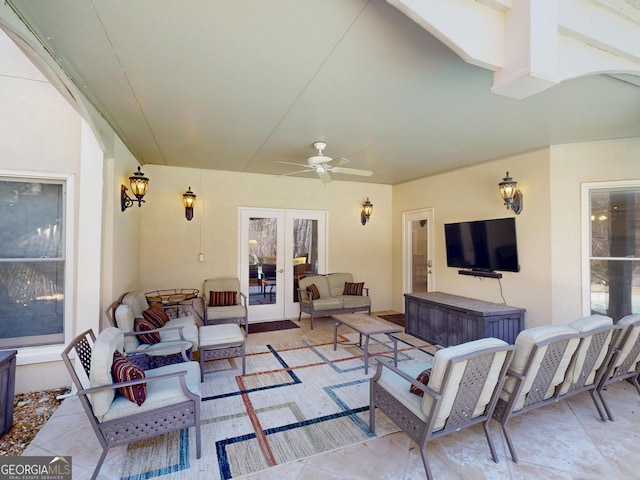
x,y
319,164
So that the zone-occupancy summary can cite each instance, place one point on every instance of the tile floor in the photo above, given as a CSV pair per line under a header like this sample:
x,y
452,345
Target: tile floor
x,y
565,440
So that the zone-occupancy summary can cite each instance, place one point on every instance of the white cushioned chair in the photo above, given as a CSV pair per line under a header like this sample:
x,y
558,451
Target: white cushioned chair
x,y
236,312
172,393
623,362
462,390
551,363
177,333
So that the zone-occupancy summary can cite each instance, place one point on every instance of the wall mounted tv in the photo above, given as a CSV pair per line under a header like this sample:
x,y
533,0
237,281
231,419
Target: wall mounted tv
x,y
482,246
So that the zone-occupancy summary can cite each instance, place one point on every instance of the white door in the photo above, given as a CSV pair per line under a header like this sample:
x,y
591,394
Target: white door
x,y
417,251
276,248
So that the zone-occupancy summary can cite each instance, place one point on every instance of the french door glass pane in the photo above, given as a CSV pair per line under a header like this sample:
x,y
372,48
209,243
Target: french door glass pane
x,y
263,245
305,250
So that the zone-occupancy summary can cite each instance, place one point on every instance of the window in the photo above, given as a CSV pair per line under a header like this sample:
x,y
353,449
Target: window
x,y
614,248
32,262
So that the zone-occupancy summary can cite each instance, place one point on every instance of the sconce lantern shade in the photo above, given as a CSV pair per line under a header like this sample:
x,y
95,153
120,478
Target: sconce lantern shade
x,y
367,210
139,184
189,198
510,194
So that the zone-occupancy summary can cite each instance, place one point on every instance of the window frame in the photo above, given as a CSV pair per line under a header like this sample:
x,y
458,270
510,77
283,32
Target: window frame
x,y
51,353
586,189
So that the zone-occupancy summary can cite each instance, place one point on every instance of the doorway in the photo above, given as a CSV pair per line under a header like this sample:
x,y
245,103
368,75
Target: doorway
x,y
417,251
277,248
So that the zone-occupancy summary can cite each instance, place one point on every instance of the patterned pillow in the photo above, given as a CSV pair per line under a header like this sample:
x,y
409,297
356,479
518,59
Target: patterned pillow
x,y
144,325
353,288
313,292
222,299
423,377
123,370
156,315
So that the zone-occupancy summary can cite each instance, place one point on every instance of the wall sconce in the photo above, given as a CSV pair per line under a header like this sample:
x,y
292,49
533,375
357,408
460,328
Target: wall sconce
x,y
139,185
365,213
510,194
189,198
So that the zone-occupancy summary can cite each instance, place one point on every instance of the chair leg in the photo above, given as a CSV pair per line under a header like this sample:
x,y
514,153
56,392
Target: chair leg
x,y
605,405
425,462
594,397
507,437
105,450
485,426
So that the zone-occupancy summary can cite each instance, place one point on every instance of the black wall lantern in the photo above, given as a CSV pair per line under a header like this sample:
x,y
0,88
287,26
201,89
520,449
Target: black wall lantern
x,y
365,213
189,198
139,184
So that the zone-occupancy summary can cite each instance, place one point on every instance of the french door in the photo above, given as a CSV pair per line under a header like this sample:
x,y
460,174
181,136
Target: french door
x,y
417,251
277,247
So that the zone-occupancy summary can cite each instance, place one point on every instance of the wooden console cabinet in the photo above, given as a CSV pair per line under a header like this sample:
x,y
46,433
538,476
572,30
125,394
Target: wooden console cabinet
x,y
444,319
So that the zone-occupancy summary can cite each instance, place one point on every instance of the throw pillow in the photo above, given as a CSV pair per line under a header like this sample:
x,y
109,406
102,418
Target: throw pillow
x,y
353,288
423,377
123,370
144,325
156,315
222,299
313,292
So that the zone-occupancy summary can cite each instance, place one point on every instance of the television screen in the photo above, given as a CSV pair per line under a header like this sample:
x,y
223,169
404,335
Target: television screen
x,y
485,245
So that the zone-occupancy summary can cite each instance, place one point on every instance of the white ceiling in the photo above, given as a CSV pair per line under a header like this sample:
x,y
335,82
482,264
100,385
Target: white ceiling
x,y
239,85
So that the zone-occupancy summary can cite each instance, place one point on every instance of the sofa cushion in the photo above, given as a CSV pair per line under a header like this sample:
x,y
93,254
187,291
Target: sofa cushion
x,y
336,281
137,300
449,393
107,342
221,284
525,342
354,301
125,321
586,325
144,325
327,303
160,393
313,292
223,299
628,322
156,316
123,370
397,386
351,288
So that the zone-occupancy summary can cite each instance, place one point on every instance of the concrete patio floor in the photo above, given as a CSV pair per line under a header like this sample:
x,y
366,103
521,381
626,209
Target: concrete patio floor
x,y
565,440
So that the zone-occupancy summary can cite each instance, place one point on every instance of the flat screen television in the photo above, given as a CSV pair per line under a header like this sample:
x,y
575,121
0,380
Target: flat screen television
x,y
483,245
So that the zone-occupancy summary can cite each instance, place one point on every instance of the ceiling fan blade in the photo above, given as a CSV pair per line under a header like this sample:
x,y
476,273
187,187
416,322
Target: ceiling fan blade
x,y
296,172
352,171
296,164
341,161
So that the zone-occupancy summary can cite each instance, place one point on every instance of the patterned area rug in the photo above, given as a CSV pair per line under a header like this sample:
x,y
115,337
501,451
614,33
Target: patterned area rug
x,y
260,327
296,400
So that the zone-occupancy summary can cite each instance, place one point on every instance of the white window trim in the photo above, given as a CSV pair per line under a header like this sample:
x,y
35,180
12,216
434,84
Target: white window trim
x,y
51,353
586,188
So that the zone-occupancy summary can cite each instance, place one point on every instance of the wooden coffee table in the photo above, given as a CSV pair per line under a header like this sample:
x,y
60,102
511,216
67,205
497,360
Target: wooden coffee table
x,y
366,325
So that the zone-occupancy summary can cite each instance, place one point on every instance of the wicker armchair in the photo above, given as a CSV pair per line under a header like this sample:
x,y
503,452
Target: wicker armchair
x,y
462,390
172,394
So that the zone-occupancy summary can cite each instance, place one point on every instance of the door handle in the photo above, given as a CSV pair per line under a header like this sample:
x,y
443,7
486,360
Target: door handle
x,y
281,270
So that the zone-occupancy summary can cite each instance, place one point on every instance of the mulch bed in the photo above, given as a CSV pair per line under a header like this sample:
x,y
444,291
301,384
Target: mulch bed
x,y
30,412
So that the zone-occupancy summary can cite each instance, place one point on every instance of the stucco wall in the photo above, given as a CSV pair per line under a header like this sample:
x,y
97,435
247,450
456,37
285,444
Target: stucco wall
x,y
571,166
472,194
170,244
